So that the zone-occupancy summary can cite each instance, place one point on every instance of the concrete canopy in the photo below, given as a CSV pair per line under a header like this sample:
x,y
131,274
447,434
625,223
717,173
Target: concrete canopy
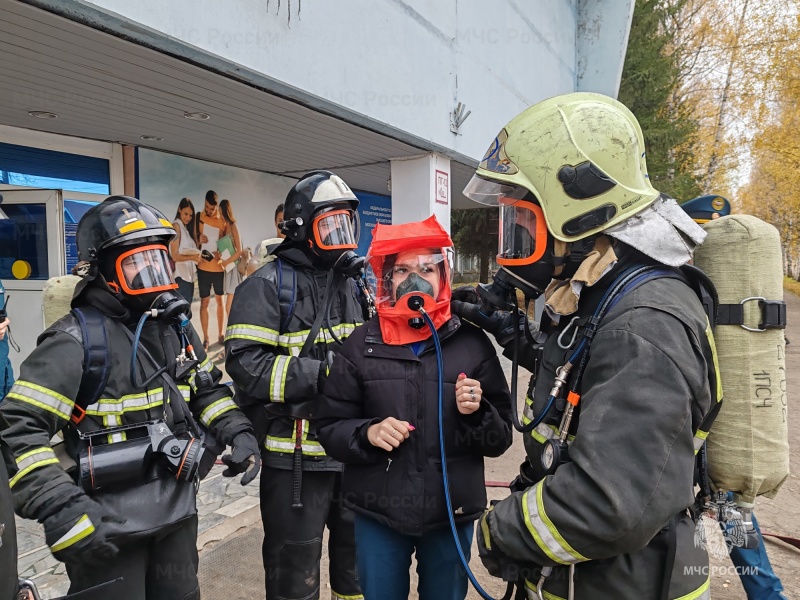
x,y
104,87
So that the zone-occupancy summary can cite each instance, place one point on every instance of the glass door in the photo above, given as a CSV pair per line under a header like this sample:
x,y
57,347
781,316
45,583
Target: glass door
x,y
31,252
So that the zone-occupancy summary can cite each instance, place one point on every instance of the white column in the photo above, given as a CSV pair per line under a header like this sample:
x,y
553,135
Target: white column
x,y
421,188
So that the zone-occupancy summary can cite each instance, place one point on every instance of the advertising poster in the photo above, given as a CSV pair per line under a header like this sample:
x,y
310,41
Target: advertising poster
x,y
244,197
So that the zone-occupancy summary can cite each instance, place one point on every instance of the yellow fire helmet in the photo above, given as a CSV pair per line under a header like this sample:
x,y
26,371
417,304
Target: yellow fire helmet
x,y
581,155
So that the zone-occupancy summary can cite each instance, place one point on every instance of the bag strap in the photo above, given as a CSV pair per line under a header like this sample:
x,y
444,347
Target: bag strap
x,y
96,368
321,310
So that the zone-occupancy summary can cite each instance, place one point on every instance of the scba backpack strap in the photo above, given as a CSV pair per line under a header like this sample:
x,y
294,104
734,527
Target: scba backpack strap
x,y
96,368
287,292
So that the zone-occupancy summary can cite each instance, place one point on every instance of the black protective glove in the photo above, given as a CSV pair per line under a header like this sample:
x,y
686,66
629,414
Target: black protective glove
x,y
466,304
79,533
245,457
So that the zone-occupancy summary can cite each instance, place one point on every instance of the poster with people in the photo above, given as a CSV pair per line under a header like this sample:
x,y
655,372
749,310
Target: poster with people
x,y
222,214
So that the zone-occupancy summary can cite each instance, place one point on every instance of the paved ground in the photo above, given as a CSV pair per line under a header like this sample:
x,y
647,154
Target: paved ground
x,y
230,538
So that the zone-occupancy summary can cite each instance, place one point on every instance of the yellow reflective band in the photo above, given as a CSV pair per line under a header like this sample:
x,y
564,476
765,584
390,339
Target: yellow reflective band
x,y
32,460
544,532
532,595
216,409
699,440
292,341
277,380
186,392
43,398
83,528
308,447
541,433
135,225
165,223
114,421
335,596
701,593
487,536
710,338
128,403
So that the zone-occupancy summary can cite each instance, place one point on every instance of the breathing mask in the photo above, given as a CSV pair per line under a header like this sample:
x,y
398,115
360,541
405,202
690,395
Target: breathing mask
x,y
525,249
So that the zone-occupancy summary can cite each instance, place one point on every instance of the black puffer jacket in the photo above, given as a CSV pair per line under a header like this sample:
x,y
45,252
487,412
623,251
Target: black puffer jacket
x,y
370,381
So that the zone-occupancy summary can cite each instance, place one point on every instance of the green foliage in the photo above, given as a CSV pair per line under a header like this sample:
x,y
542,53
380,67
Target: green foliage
x,y
649,87
474,233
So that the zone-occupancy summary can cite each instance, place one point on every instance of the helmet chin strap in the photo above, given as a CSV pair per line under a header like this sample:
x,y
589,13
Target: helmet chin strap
x,y
576,253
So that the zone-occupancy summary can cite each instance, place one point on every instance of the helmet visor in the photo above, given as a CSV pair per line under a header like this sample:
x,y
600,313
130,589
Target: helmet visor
x,y
522,238
485,191
423,270
145,270
335,230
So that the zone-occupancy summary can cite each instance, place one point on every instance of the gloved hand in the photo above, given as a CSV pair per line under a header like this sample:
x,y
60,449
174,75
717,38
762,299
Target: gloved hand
x,y
496,562
79,532
466,304
245,457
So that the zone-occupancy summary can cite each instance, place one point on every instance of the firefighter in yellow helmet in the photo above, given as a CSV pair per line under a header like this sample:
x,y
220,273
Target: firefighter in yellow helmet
x,y
625,385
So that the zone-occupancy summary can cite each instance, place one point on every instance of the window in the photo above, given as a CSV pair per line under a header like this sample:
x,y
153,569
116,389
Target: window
x,y
38,168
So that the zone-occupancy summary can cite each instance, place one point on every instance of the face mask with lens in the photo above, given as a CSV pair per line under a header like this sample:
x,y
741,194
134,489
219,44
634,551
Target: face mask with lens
x,y
144,270
525,254
334,233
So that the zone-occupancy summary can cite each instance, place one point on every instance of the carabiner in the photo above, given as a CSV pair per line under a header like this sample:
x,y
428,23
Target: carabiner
x,y
565,330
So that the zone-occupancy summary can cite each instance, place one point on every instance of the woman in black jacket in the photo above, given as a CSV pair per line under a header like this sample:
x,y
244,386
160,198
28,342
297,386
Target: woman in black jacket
x,y
379,416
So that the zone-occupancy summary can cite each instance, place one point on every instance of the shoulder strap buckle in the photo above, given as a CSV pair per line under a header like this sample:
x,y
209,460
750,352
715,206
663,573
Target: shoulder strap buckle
x,y
78,413
773,314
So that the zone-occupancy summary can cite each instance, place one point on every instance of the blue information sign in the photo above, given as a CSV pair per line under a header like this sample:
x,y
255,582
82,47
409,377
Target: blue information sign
x,y
70,232
372,209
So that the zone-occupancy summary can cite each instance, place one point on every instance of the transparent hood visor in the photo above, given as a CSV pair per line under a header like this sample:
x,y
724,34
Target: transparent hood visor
x,y
485,191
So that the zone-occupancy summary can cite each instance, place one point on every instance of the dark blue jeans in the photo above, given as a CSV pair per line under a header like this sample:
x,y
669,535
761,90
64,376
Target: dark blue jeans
x,y
755,571
384,558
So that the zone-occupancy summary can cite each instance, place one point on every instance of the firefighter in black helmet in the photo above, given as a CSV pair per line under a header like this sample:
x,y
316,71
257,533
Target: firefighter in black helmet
x,y
125,379
287,320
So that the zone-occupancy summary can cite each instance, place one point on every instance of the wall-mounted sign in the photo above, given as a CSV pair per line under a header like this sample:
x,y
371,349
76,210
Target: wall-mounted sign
x,y
442,187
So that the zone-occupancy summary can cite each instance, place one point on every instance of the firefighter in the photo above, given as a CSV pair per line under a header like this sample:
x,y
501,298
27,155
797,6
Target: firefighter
x,y
124,378
286,322
601,507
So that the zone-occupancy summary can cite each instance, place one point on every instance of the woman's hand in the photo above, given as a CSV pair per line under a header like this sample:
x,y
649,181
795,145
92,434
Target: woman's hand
x,y
203,238
468,394
389,433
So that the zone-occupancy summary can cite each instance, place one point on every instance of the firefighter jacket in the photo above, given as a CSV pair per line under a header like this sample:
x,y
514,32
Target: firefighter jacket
x,y
620,506
8,541
42,401
262,353
371,380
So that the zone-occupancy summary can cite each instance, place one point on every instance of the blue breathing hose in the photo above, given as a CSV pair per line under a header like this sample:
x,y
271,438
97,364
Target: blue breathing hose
x,y
445,478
